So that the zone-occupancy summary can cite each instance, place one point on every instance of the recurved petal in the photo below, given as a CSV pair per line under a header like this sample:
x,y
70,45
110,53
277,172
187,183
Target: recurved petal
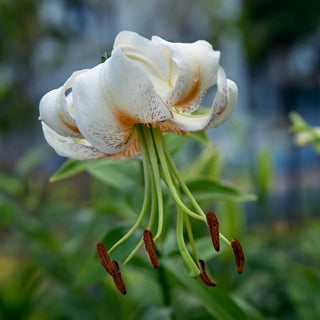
x,y
56,109
96,115
193,71
143,52
223,104
226,110
132,93
70,147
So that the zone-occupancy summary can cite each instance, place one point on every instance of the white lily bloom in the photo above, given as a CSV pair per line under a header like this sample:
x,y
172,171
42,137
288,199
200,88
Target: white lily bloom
x,y
144,81
121,107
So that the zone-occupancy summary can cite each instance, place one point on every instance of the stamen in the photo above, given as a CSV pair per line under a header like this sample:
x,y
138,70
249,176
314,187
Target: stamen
x,y
204,276
238,254
150,247
117,279
213,225
105,258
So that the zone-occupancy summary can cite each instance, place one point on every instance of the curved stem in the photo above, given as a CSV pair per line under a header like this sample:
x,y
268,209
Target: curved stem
x,y
194,271
167,177
186,222
154,197
146,172
185,187
190,235
180,180
156,174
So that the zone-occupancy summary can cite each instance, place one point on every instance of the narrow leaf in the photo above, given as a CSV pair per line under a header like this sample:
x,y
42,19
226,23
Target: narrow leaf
x,y
205,189
215,300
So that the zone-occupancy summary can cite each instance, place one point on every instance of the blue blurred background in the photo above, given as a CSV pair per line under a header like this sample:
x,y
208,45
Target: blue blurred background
x,y
270,48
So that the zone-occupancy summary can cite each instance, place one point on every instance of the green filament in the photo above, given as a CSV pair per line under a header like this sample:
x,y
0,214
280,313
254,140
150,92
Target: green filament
x,y
157,164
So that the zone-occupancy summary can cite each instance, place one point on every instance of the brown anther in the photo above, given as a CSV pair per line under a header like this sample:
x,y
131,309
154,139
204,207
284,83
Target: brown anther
x,y
204,276
150,247
117,278
238,254
213,225
105,258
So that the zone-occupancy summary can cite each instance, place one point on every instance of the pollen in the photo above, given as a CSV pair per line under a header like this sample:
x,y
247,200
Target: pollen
x,y
204,276
213,225
238,254
117,278
111,267
104,258
150,247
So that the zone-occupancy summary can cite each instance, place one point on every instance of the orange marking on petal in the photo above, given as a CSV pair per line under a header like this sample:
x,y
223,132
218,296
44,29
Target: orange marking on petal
x,y
68,124
125,119
183,104
150,247
204,276
167,126
238,254
131,151
213,225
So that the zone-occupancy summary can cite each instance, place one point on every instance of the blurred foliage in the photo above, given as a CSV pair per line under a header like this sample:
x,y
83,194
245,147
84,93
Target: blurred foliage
x,y
268,24
18,31
304,133
50,269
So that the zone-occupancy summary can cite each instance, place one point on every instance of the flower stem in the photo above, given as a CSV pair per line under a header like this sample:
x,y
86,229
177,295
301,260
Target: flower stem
x,y
194,271
167,176
185,187
146,171
150,150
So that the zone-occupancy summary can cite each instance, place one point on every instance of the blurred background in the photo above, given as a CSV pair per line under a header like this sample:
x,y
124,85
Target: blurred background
x,y
271,49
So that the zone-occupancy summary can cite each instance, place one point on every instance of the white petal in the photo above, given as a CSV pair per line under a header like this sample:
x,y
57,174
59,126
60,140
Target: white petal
x,y
95,114
56,109
132,91
223,104
110,98
70,147
224,113
193,71
145,53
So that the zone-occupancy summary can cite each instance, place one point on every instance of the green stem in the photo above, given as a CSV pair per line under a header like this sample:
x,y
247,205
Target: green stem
x,y
194,271
154,195
146,172
186,221
167,177
180,180
185,187
150,150
190,235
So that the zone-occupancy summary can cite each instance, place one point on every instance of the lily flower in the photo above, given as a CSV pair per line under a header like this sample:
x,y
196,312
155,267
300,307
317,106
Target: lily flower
x,y
120,109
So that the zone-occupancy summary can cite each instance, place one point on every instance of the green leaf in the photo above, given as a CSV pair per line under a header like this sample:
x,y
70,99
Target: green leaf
x,y
148,312
30,160
207,163
68,169
174,142
298,123
11,185
200,136
215,300
119,175
205,189
264,170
